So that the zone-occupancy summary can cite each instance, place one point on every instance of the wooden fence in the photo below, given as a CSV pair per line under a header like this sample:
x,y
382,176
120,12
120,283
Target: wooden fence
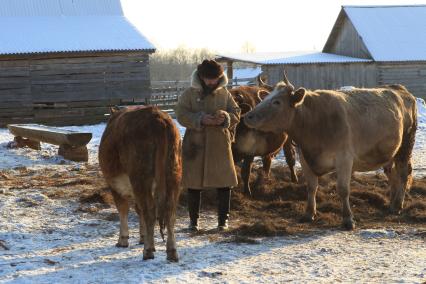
x,y
166,93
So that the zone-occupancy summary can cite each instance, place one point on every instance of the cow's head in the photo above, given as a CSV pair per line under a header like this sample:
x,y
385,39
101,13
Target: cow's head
x,y
246,98
276,112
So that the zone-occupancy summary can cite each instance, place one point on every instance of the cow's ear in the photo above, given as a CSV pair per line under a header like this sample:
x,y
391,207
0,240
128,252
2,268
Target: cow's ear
x,y
114,109
238,98
245,108
297,97
262,94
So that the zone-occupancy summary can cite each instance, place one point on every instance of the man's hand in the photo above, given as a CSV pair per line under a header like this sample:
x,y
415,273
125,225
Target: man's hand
x,y
208,120
220,118
213,120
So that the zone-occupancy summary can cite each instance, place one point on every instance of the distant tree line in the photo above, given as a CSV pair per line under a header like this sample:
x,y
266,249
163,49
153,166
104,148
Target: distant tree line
x,y
177,64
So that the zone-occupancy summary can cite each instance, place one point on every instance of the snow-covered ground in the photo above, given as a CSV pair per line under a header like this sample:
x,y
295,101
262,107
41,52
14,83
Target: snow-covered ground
x,y
50,241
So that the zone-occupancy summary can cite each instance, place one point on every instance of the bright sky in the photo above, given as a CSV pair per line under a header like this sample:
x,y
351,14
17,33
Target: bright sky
x,y
228,25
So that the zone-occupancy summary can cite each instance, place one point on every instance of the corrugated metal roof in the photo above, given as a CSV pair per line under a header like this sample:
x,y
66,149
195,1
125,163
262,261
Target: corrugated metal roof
x,y
257,57
308,57
316,57
42,26
391,33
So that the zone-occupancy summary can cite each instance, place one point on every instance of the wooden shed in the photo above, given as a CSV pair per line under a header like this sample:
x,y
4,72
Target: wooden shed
x,y
366,47
64,62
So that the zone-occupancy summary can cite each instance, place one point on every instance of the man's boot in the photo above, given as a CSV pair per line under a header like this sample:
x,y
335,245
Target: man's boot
x,y
223,206
194,200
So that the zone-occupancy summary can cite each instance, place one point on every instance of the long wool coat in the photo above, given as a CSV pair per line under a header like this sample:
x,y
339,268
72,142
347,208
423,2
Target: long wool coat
x,y
206,150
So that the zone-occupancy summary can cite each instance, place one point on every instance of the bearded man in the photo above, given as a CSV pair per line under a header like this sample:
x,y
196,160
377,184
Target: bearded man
x,y
210,115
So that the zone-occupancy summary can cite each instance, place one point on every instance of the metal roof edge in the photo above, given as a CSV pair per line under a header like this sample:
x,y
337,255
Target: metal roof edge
x,y
382,6
150,50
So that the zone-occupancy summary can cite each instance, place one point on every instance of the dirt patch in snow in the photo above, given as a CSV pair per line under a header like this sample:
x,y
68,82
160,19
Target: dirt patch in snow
x,y
274,210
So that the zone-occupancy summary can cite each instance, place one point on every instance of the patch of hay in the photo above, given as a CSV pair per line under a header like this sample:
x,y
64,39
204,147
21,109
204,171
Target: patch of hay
x,y
261,229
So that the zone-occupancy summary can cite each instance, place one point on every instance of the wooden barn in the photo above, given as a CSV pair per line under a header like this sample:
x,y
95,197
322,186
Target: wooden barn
x,y
64,62
368,46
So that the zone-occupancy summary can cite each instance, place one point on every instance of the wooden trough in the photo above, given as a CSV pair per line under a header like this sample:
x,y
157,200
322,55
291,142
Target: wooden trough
x,y
72,144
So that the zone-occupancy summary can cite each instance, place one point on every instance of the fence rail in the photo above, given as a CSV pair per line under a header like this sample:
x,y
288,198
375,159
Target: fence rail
x,y
165,94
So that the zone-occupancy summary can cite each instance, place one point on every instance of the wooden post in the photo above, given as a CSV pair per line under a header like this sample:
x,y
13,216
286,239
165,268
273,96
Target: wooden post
x,y
24,142
76,154
230,70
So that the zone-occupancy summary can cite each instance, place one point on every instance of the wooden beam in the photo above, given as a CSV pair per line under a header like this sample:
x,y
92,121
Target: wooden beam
x,y
230,69
50,135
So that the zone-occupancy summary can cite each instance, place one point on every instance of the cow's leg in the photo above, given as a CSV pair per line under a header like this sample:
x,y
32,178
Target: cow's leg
x,y
266,162
141,224
312,186
387,169
171,199
171,239
290,158
245,174
144,198
344,173
122,205
400,181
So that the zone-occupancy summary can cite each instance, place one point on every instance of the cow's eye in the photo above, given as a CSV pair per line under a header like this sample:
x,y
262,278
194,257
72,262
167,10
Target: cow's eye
x,y
276,103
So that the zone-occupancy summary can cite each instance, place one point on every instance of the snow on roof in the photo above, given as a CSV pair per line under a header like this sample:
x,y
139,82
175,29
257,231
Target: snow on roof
x,y
302,57
391,33
315,57
246,72
42,26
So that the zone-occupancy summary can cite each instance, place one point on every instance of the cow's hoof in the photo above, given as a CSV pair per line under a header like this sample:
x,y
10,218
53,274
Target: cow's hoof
x,y
122,245
123,242
307,219
294,178
148,254
172,255
348,225
395,209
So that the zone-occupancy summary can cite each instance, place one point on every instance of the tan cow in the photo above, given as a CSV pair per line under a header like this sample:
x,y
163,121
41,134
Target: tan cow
x,y
344,131
250,143
139,156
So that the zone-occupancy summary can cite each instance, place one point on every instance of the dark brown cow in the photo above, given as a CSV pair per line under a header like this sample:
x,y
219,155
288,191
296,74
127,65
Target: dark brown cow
x,y
345,131
139,156
250,143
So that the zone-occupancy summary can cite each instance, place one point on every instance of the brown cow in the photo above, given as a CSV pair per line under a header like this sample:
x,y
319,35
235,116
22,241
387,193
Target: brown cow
x,y
344,131
250,142
139,156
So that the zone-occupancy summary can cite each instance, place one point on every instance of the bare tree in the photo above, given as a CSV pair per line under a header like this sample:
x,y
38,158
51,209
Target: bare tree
x,y
248,47
176,64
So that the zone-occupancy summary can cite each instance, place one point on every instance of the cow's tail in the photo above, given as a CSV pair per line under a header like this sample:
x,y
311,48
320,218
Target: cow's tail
x,y
408,138
168,174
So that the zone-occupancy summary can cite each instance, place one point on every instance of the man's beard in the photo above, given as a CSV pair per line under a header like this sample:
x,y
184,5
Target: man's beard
x,y
208,89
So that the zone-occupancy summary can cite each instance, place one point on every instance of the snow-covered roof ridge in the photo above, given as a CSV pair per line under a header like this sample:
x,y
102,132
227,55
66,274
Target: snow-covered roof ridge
x,y
299,57
45,26
26,8
391,33
383,6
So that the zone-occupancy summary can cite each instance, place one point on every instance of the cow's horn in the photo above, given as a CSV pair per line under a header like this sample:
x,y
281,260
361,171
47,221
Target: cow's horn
x,y
286,81
262,84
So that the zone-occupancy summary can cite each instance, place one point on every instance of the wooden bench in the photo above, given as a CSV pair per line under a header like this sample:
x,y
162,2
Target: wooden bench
x,y
72,144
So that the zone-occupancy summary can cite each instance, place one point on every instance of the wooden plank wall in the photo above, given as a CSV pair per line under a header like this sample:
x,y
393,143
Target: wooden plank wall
x,y
324,76
410,74
345,40
70,90
15,92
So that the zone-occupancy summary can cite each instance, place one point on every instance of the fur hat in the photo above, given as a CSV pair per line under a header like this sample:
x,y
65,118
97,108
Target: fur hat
x,y
210,69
